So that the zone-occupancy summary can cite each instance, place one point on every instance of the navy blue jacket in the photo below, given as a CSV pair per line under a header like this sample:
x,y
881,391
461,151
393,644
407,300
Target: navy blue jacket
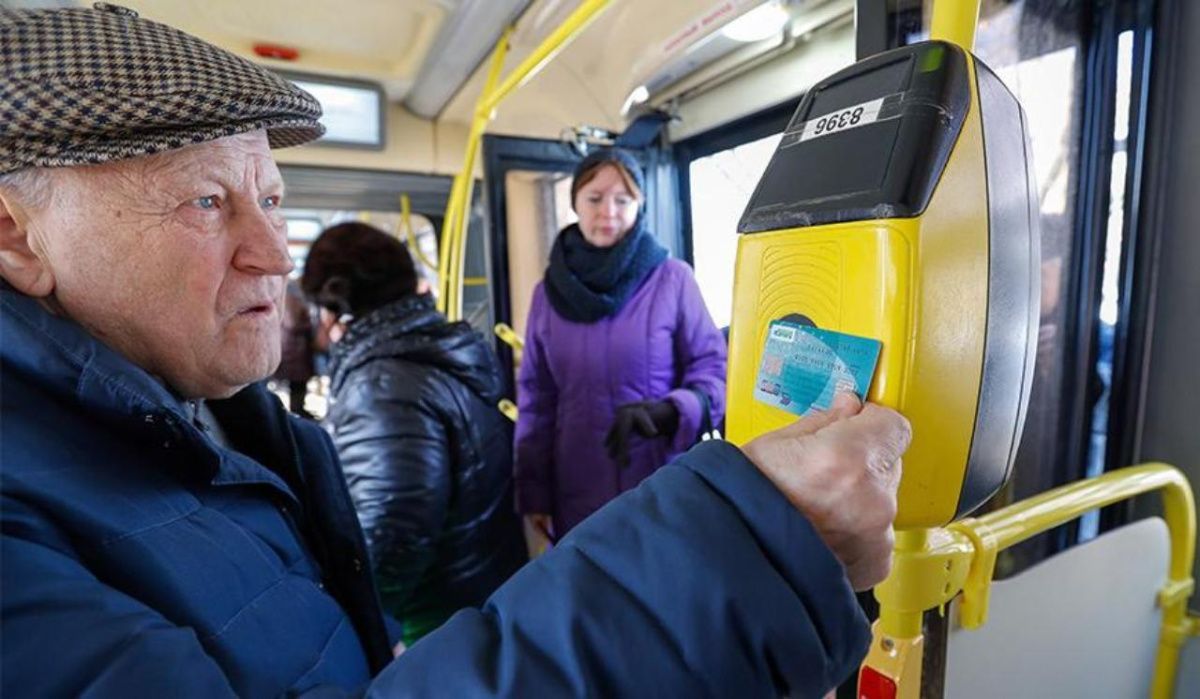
x,y
141,559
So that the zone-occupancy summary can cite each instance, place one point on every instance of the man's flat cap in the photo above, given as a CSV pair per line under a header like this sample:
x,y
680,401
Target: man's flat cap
x,y
81,86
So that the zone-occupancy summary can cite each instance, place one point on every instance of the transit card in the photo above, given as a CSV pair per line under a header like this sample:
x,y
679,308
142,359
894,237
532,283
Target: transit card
x,y
804,367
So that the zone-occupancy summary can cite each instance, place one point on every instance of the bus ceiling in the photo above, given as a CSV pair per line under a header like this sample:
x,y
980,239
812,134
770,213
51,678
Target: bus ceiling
x,y
429,60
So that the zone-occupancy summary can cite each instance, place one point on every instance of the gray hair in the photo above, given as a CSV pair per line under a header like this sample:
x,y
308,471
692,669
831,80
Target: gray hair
x,y
31,185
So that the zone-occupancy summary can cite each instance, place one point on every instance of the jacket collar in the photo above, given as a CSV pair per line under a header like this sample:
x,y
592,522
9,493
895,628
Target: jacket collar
x,y
411,330
404,317
69,361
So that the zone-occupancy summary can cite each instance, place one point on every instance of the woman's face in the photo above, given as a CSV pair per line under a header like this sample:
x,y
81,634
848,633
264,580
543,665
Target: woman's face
x,y
607,209
329,330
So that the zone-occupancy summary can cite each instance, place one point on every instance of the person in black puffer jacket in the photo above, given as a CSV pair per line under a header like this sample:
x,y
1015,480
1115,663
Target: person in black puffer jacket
x,y
426,453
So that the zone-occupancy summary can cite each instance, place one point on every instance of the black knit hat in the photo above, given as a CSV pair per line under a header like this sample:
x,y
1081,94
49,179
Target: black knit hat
x,y
81,86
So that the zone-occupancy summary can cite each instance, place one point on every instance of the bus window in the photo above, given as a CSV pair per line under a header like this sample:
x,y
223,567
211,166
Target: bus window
x,y
302,230
1110,293
1044,69
304,225
721,184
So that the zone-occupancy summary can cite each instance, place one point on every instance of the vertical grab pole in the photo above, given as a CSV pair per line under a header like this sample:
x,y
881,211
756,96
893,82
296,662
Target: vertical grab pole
x,y
955,21
457,208
454,228
897,645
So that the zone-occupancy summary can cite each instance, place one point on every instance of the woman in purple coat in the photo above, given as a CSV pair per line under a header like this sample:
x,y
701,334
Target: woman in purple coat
x,y
623,367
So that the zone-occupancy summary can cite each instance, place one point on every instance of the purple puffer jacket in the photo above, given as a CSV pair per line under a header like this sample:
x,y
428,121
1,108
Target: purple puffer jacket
x,y
661,345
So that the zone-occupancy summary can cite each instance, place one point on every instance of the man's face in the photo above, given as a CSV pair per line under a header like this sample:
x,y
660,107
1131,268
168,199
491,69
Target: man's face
x,y
176,260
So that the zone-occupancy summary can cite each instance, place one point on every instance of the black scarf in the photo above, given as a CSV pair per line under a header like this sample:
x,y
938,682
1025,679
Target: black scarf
x,y
585,283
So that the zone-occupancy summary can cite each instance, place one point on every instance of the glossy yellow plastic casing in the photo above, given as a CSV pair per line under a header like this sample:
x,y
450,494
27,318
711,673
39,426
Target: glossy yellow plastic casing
x,y
919,285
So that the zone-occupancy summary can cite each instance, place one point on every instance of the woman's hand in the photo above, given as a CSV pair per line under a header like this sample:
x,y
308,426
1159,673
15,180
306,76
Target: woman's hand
x,y
649,418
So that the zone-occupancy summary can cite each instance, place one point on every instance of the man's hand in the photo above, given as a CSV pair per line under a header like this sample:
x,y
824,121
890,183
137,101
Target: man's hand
x,y
841,469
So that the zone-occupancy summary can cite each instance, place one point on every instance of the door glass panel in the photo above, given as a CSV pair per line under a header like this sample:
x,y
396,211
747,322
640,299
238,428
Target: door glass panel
x,y
538,206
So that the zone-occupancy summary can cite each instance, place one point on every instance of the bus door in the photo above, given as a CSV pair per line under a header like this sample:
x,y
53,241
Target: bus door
x,y
528,185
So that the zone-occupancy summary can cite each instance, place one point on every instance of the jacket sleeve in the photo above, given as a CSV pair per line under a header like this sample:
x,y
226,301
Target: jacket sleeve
x,y
537,405
703,581
700,354
71,635
392,440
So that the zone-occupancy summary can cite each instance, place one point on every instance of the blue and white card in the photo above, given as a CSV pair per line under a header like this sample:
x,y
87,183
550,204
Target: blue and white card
x,y
804,367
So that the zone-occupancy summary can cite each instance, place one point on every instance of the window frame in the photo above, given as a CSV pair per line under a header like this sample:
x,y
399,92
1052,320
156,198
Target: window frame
x,y
749,128
380,142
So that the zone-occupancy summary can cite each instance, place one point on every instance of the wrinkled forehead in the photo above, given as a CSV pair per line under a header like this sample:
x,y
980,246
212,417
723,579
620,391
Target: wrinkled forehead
x,y
240,161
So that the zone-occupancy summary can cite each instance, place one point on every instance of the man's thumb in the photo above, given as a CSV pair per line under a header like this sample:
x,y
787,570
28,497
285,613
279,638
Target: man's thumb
x,y
845,405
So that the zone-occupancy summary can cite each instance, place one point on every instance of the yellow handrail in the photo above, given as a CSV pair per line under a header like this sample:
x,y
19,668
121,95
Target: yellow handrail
x,y
509,336
454,227
458,205
931,567
1192,625
955,21
583,15
509,409
409,236
1011,525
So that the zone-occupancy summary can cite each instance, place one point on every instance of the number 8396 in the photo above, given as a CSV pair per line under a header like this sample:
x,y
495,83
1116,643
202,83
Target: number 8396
x,y
838,120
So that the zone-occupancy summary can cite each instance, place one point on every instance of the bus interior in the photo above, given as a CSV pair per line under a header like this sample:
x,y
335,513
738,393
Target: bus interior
x,y
456,124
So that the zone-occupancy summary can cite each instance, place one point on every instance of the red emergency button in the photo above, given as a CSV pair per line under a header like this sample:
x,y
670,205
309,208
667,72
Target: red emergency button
x,y
874,685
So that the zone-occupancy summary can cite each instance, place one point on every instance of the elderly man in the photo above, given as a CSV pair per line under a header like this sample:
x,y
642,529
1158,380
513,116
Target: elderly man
x,y
169,530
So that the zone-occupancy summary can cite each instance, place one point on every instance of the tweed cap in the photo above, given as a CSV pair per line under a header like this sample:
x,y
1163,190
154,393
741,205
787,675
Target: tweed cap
x,y
80,86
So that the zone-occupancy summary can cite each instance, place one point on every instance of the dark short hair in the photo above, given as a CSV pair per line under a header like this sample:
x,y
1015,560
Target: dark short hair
x,y
355,268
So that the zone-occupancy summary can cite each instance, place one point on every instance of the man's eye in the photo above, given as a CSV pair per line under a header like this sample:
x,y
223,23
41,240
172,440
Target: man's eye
x,y
593,200
209,203
271,202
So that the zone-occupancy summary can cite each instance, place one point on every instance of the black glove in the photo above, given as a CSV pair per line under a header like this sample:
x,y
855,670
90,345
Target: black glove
x,y
649,418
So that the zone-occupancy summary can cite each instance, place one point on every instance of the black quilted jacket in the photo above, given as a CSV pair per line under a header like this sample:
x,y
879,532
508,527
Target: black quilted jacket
x,y
428,458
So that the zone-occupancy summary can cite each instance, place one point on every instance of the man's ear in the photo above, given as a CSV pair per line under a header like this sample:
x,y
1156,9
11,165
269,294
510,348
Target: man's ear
x,y
19,264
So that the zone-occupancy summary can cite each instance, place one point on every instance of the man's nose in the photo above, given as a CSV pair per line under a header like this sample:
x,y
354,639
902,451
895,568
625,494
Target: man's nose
x,y
263,245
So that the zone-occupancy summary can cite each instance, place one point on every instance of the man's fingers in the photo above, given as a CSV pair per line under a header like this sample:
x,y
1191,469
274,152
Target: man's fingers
x,y
873,563
844,405
888,425
886,435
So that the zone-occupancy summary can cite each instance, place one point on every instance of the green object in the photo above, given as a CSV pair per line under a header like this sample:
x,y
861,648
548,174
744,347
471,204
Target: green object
x,y
416,626
932,60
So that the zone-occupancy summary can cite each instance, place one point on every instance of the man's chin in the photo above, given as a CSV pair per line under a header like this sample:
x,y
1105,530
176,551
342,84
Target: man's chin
x,y
234,376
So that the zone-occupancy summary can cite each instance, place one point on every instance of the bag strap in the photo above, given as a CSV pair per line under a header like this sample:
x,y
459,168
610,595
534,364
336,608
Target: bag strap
x,y
706,426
